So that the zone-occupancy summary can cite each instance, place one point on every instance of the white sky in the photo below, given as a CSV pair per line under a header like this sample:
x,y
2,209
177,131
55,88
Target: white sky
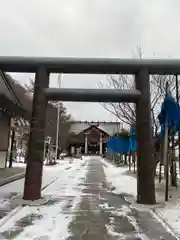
x,y
88,28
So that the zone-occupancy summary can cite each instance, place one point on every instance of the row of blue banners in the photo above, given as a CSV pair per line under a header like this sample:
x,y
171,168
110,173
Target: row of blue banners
x,y
119,145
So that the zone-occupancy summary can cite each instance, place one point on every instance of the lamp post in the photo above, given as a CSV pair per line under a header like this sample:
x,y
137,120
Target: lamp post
x,y
58,112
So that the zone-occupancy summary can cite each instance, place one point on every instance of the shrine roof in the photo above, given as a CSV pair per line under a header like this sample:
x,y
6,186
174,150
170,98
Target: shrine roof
x,y
9,100
108,127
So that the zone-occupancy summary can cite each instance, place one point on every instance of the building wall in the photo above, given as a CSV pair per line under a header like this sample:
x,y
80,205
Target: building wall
x,y
4,139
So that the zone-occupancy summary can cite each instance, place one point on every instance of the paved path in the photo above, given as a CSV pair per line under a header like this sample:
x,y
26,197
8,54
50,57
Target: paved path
x,y
102,215
83,205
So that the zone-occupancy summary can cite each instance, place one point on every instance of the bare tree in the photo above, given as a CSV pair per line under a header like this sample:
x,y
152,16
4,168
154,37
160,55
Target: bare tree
x,y
125,112
51,118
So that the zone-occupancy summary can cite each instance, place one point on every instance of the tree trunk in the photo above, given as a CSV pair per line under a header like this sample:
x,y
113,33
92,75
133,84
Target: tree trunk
x,y
173,166
129,160
134,160
177,99
125,159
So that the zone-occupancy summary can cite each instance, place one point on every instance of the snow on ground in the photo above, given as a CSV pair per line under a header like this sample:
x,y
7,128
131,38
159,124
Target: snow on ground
x,y
49,174
169,213
52,221
19,164
117,176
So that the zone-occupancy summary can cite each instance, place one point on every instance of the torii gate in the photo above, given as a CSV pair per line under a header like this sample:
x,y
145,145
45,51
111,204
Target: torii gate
x,y
42,67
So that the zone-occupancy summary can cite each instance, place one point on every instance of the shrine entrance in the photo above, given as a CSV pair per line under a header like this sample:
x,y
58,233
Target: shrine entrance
x,y
91,139
93,148
94,140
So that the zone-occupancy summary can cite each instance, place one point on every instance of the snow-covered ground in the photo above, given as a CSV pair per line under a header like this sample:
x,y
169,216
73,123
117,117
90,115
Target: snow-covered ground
x,y
119,179
51,220
49,174
64,193
169,212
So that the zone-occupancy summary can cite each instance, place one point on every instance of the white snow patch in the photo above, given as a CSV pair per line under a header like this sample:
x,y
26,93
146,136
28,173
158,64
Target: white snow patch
x,y
120,212
105,206
54,219
119,179
19,164
124,212
111,232
49,174
171,215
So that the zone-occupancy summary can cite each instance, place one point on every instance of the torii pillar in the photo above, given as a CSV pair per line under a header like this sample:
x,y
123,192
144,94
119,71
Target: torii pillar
x,y
145,161
35,156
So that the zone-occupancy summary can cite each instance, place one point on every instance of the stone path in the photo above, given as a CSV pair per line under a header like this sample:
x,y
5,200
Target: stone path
x,y
102,215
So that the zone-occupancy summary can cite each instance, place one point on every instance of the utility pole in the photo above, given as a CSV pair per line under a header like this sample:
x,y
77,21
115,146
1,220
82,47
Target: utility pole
x,y
58,113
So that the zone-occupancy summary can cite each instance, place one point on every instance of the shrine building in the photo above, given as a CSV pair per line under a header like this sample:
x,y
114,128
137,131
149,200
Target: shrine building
x,y
91,137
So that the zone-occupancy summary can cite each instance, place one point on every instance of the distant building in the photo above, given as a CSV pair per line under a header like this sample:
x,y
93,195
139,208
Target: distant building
x,y
12,114
91,137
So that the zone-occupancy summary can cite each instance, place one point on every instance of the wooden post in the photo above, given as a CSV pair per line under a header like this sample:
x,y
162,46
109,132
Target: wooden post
x,y
173,165
166,161
12,148
129,160
160,172
33,178
125,158
177,99
145,168
134,160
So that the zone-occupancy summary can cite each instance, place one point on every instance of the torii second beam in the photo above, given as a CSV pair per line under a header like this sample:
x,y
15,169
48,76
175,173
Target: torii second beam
x,y
92,95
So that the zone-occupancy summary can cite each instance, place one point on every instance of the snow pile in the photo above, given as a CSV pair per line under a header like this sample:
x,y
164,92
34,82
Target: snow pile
x,y
119,179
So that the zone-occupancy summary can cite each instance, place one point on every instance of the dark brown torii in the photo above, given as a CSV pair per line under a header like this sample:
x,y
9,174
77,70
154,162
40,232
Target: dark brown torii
x,y
141,96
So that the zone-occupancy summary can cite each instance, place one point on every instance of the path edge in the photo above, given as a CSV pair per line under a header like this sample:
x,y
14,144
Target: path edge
x,y
12,178
164,224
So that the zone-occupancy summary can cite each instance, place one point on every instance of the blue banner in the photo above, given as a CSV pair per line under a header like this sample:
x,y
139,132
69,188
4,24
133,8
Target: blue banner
x,y
119,145
170,112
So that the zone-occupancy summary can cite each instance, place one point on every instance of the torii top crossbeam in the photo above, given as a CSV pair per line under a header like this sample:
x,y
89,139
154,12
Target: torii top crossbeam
x,y
90,65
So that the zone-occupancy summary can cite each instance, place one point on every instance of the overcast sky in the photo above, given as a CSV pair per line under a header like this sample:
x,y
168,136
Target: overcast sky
x,y
89,28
